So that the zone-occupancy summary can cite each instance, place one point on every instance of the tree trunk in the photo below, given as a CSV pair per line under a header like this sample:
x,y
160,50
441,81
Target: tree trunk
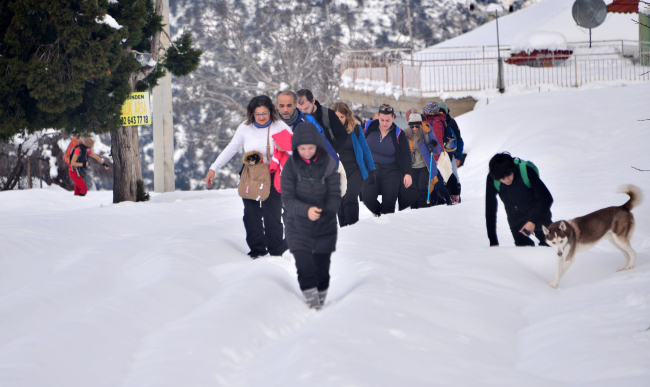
x,y
126,163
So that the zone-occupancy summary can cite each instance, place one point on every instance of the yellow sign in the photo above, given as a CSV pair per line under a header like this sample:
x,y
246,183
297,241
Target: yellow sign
x,y
136,110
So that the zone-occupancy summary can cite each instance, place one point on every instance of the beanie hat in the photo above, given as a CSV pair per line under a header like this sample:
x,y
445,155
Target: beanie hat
x,y
443,107
415,117
431,109
89,142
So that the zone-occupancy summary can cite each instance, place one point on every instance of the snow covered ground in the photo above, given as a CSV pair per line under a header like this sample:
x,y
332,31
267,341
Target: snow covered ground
x,y
162,294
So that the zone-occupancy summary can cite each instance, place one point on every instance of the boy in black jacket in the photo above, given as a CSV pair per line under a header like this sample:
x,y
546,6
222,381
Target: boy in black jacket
x,y
311,195
526,199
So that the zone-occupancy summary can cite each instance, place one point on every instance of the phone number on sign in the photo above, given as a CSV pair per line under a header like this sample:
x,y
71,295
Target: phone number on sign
x,y
135,120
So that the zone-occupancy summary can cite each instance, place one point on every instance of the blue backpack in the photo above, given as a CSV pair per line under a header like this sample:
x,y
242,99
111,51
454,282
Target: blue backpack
x,y
451,142
328,146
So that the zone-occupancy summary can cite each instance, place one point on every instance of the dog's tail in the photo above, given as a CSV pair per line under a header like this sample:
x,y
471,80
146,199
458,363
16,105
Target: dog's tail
x,y
636,197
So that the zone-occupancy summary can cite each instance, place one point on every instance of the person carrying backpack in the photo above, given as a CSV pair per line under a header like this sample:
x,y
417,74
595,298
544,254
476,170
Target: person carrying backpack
x,y
332,127
390,151
311,195
453,185
286,103
79,165
262,218
423,147
525,197
358,163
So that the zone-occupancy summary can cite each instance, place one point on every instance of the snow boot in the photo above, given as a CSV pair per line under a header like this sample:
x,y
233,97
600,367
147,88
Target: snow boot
x,y
257,254
311,298
278,251
321,296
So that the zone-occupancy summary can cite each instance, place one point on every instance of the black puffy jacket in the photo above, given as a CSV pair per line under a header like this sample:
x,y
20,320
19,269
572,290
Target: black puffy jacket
x,y
306,185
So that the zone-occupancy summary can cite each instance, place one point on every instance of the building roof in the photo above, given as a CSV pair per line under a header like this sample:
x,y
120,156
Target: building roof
x,y
547,15
623,6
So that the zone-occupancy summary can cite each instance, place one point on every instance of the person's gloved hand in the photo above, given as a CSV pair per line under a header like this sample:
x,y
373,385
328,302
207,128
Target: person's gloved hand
x,y
433,143
372,177
85,164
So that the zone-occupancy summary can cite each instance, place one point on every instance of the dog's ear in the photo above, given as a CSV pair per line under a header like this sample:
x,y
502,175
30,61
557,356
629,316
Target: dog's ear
x,y
545,230
562,226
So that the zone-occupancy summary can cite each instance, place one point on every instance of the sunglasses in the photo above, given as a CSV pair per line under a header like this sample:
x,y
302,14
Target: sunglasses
x,y
415,126
385,109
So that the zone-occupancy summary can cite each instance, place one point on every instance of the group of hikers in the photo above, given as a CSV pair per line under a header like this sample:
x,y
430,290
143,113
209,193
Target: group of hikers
x,y
307,166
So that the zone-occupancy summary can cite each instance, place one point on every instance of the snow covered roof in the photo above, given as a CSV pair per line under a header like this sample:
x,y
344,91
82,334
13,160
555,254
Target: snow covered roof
x,y
623,6
548,15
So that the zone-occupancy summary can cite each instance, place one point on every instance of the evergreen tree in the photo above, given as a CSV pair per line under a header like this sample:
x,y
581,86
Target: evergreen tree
x,y
71,64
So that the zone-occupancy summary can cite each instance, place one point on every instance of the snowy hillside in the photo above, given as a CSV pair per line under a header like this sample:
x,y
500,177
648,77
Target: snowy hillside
x,y
161,293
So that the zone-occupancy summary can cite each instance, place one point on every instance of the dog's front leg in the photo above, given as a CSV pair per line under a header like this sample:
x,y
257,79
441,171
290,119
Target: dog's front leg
x,y
559,273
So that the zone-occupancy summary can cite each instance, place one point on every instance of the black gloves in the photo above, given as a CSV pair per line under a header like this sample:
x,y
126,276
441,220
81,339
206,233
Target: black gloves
x,y
433,143
372,177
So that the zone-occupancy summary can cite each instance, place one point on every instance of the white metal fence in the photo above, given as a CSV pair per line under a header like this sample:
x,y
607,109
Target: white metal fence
x,y
476,68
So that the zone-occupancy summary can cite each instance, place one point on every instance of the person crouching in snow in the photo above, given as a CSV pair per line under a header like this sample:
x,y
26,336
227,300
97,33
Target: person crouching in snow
x,y
311,195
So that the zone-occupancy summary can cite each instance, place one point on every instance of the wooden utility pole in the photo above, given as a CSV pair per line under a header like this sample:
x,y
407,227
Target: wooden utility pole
x,y
163,124
408,15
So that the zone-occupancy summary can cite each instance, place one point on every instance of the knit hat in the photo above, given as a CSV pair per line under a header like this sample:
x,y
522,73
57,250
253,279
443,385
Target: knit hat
x,y
431,109
443,107
415,118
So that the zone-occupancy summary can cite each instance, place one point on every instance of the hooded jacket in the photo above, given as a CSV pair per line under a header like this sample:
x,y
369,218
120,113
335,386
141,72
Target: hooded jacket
x,y
281,152
313,184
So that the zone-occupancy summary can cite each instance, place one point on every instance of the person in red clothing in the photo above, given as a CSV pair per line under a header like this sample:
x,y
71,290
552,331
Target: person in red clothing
x,y
79,165
436,121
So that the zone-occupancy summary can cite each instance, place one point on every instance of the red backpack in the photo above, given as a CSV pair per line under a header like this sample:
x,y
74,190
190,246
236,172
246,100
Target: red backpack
x,y
67,155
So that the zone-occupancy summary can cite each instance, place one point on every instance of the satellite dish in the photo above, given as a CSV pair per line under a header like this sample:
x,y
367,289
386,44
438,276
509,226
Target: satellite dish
x,y
589,13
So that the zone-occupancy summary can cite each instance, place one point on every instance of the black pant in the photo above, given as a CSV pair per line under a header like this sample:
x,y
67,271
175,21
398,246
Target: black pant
x,y
349,210
263,223
452,185
313,269
441,191
523,240
420,178
387,185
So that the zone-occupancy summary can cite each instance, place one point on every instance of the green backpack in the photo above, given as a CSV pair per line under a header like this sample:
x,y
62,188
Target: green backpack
x,y
524,172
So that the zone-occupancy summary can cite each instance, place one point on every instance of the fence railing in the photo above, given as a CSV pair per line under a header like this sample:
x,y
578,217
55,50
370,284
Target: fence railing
x,y
476,68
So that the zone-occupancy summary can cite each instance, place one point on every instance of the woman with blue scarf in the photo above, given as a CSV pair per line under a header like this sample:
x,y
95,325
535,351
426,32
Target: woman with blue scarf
x,y
262,220
357,162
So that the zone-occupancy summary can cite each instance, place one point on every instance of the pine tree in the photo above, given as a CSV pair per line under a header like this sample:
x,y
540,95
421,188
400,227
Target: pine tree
x,y
71,64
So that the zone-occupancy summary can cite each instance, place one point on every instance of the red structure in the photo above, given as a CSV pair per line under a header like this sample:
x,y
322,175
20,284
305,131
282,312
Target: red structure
x,y
539,58
623,6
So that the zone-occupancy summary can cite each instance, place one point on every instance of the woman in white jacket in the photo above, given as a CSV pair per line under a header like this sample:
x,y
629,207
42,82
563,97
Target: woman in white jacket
x,y
262,220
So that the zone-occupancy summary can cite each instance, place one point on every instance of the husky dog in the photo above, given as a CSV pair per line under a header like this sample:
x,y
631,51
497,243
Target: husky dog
x,y
580,234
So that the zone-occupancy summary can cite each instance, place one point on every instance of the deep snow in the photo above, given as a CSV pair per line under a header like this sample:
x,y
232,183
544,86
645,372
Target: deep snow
x,y
162,294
